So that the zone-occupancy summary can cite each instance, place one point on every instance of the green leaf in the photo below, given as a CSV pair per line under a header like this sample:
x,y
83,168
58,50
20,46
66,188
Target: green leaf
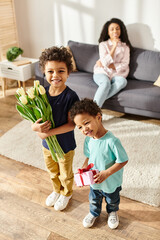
x,y
38,110
45,99
44,118
29,112
23,113
53,124
49,115
32,102
51,149
17,97
37,113
48,112
35,92
41,105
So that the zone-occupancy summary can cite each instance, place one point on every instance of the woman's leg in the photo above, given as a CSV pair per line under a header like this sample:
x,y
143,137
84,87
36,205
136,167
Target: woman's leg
x,y
117,83
104,84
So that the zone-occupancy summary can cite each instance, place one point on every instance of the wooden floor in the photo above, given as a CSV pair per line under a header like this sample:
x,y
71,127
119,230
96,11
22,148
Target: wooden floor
x,y
23,190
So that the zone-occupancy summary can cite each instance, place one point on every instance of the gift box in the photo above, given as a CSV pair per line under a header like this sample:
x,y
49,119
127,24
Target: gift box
x,y
84,176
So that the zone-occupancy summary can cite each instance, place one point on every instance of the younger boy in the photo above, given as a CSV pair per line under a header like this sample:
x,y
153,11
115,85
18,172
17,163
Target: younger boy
x,y
105,151
56,64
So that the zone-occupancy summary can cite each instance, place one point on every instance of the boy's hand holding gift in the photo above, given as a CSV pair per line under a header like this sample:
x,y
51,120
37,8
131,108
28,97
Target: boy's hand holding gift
x,y
101,176
85,176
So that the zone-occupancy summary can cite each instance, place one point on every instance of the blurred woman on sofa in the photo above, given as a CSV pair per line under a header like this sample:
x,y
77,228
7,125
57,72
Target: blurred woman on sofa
x,y
111,70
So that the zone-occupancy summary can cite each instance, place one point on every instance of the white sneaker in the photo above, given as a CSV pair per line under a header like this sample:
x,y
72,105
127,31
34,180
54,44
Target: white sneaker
x,y
113,220
52,198
89,220
61,203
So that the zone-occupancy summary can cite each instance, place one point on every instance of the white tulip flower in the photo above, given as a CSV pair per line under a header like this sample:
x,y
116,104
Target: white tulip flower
x,y
23,99
42,90
20,91
36,84
30,93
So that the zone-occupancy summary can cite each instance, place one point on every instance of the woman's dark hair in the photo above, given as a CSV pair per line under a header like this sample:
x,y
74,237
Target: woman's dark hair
x,y
60,54
86,105
124,35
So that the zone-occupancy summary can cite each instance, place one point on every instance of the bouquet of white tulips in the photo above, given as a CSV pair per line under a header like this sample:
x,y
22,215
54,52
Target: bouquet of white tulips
x,y
33,105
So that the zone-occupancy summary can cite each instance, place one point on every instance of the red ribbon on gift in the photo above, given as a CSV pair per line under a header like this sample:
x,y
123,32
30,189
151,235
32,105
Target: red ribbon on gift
x,y
82,170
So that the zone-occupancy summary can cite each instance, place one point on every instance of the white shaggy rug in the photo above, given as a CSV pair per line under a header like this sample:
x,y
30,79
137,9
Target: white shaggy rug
x,y
141,141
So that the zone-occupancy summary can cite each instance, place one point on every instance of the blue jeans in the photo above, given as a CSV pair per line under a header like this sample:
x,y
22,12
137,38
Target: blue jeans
x,y
107,88
96,197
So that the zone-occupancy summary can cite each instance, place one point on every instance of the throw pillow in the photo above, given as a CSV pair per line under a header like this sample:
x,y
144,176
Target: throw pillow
x,y
157,82
73,61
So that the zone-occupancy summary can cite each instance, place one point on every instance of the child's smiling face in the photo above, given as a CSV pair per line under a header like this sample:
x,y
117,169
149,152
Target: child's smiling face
x,y
89,125
56,73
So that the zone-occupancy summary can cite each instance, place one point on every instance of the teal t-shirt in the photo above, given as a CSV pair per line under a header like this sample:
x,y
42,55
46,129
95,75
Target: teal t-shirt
x,y
103,153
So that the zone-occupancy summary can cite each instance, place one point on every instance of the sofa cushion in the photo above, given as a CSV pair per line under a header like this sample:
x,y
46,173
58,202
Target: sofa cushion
x,y
142,95
137,94
144,65
82,83
85,55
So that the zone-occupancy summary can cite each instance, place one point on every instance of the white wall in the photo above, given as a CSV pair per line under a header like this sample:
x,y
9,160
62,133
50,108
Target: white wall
x,y
44,23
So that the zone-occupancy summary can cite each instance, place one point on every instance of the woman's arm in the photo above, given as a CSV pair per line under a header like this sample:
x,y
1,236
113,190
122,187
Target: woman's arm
x,y
98,63
122,67
104,53
115,43
103,175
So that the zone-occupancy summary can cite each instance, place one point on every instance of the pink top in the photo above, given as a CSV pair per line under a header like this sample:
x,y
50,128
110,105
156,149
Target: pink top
x,y
120,59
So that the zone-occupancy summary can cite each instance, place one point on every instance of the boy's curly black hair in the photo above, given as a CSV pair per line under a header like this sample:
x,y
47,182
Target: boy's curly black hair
x,y
60,54
86,105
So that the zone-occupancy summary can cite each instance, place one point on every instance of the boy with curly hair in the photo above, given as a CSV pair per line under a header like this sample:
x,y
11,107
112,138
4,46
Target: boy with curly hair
x,y
56,63
105,151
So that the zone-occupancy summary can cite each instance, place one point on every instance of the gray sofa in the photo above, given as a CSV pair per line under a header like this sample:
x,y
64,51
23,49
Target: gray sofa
x,y
139,97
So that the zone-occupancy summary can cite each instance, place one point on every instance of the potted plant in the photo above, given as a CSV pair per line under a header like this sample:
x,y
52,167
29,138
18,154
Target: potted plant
x,y
13,53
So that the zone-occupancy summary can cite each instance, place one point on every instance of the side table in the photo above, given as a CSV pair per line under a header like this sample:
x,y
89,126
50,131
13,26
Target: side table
x,y
20,73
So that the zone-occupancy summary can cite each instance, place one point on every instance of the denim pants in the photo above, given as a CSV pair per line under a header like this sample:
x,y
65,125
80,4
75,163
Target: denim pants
x,y
96,197
106,87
